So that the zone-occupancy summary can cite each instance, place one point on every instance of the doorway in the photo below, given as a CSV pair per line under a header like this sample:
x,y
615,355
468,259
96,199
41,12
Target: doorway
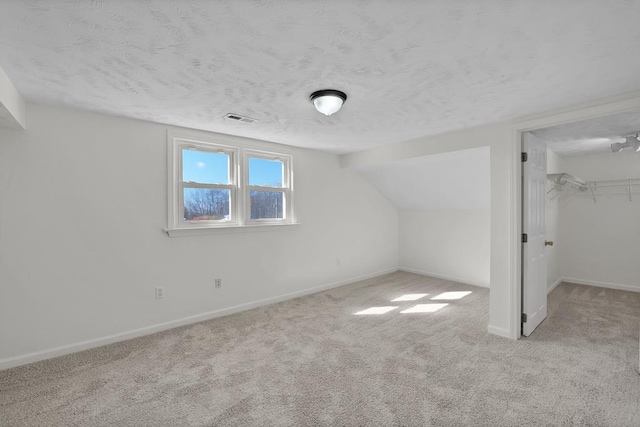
x,y
589,210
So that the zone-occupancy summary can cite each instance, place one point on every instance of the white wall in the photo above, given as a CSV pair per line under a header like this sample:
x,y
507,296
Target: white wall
x,y
82,209
600,241
552,218
453,244
502,138
444,201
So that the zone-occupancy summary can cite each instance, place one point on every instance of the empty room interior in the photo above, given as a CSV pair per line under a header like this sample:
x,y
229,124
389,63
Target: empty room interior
x,y
358,213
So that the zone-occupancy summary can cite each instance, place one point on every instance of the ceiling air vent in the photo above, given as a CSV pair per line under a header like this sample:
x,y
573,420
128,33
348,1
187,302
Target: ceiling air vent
x,y
239,118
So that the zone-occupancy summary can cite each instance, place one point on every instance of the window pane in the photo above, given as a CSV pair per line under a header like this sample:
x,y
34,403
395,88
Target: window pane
x,y
206,204
205,167
267,205
265,173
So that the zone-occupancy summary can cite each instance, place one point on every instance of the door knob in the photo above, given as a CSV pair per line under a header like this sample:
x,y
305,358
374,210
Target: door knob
x,y
548,242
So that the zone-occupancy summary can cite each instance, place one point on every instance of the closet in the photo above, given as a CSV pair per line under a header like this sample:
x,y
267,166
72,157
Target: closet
x,y
593,218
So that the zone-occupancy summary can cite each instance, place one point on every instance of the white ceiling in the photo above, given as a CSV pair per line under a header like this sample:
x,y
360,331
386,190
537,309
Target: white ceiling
x,y
410,68
590,136
454,180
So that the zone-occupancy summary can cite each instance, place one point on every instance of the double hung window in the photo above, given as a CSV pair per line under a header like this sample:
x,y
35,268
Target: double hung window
x,y
212,185
268,190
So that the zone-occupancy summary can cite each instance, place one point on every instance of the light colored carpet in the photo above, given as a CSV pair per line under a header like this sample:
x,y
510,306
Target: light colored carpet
x,y
311,361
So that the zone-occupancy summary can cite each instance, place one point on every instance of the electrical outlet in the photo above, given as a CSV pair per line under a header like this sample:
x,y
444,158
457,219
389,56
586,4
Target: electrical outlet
x,y
218,283
160,292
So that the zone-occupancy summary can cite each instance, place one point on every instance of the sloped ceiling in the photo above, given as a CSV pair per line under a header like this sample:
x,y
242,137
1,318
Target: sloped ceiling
x,y
410,68
457,180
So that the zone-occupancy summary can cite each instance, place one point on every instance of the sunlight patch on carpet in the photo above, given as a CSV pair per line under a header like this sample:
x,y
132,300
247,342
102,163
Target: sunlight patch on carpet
x,y
424,308
376,310
451,295
409,297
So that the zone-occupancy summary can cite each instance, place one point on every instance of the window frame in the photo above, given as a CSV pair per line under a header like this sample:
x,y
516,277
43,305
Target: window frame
x,y
177,185
286,189
239,152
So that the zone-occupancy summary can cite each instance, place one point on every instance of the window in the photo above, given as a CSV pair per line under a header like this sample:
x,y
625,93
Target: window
x,y
212,185
268,195
206,184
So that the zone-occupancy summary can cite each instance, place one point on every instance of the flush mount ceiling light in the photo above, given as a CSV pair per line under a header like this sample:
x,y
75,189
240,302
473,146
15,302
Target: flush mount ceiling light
x,y
328,101
630,142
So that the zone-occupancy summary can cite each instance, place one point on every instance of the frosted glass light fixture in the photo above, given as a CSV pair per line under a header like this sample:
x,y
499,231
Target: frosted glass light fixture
x,y
328,101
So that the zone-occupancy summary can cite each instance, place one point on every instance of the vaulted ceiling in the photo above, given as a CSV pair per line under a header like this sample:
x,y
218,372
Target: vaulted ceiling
x,y
410,68
458,180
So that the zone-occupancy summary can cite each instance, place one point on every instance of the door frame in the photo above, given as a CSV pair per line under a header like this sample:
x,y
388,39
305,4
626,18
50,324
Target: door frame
x,y
620,104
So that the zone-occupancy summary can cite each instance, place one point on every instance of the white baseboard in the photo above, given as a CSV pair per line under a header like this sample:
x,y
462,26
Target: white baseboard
x,y
608,285
24,359
442,276
501,332
554,285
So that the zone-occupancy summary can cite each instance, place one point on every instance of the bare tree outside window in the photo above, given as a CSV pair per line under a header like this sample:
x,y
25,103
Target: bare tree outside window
x,y
267,205
206,204
266,178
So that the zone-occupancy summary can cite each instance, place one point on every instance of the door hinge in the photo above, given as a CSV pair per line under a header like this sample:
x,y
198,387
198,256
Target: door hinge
x,y
523,318
525,238
525,157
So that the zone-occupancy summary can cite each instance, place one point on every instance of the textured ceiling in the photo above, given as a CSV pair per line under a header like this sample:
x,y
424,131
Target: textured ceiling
x,y
410,68
590,136
454,180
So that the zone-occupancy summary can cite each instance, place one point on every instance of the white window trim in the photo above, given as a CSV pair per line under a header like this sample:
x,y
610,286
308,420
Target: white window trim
x,y
286,189
239,208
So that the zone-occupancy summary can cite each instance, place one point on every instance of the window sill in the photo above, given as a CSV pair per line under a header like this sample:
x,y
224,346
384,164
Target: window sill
x,y
197,231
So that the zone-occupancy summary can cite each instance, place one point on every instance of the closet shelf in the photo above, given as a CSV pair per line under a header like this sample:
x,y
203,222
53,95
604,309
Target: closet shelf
x,y
569,185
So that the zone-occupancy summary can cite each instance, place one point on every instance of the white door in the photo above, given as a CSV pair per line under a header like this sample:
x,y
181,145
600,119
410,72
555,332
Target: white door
x,y
534,263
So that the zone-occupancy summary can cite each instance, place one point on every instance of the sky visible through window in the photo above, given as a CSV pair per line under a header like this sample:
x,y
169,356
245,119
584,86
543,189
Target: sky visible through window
x,y
267,173
205,167
213,168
